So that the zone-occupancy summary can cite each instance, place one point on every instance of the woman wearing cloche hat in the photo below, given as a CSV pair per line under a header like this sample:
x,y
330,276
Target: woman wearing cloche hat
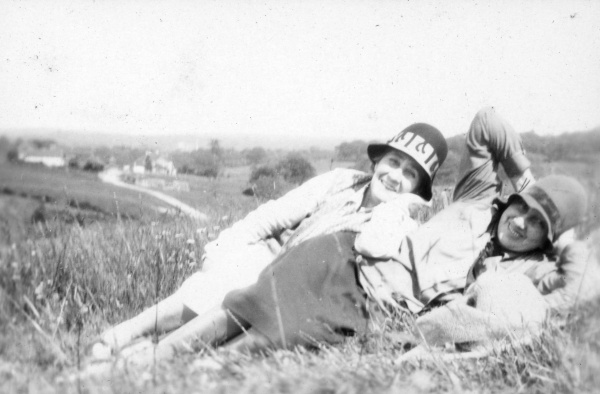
x,y
334,285
341,200
323,290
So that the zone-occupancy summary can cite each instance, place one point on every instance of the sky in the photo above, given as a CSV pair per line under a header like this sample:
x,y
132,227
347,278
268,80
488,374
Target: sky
x,y
296,70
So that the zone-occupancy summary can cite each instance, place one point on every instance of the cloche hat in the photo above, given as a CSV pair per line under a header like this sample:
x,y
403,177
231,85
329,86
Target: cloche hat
x,y
421,141
560,199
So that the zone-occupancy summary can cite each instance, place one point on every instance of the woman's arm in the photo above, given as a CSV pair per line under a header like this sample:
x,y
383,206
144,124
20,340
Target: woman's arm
x,y
490,141
575,278
277,215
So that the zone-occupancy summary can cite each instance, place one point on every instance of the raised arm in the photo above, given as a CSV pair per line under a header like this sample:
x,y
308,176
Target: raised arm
x,y
491,141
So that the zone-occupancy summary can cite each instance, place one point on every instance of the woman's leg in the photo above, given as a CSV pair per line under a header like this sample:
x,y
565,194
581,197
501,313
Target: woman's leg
x,y
165,316
211,329
199,294
249,342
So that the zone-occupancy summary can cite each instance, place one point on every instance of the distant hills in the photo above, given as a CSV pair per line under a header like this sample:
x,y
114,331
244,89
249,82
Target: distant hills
x,y
552,146
172,142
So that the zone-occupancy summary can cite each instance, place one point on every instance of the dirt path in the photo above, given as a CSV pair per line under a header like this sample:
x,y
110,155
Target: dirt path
x,y
112,176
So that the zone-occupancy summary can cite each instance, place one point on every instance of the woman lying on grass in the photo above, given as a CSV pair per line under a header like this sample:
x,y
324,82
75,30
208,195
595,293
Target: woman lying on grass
x,y
340,200
322,290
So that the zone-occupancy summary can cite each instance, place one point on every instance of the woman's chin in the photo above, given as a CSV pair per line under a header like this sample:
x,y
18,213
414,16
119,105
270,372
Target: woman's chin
x,y
385,197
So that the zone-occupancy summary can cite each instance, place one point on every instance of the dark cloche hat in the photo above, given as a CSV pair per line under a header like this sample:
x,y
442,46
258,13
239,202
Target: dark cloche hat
x,y
421,141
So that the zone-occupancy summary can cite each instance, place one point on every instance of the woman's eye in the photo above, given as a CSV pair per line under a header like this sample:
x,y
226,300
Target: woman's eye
x,y
537,222
521,207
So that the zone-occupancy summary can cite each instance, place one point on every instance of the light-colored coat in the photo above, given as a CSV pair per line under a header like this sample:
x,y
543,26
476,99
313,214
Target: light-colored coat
x,y
496,308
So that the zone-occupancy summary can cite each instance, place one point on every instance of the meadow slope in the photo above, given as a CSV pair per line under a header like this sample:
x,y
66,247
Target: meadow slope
x,y
62,283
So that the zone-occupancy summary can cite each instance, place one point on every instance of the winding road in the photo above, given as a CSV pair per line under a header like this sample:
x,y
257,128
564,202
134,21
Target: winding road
x,y
112,176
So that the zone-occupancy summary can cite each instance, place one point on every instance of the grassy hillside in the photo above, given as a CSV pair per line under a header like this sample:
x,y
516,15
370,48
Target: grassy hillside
x,y
60,292
59,289
33,193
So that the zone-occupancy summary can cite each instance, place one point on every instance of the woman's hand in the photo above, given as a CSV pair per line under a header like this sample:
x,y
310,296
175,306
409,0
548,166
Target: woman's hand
x,y
382,236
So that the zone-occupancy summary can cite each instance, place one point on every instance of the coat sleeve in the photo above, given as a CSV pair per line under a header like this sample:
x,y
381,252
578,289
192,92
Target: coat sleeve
x,y
575,277
271,218
491,141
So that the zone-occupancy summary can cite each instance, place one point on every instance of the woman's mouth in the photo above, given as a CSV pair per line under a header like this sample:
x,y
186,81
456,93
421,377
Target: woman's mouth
x,y
515,232
394,188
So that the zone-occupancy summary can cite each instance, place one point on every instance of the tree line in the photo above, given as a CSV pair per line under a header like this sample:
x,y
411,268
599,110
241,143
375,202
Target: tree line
x,y
274,171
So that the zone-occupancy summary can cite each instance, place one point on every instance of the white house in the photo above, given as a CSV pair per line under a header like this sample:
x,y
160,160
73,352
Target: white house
x,y
154,164
48,157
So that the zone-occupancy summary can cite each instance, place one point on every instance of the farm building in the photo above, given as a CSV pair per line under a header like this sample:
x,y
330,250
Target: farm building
x,y
153,163
50,157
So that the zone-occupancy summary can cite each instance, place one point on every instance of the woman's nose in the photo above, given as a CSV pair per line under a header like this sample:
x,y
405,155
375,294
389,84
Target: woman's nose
x,y
396,174
519,221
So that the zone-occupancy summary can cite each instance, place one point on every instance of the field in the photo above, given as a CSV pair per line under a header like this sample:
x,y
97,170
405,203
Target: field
x,y
63,282
77,189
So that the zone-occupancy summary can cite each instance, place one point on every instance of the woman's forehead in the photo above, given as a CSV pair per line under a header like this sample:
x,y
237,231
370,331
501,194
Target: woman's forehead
x,y
517,200
403,156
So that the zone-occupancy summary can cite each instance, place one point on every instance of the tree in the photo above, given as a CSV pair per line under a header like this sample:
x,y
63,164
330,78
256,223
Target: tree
x,y
256,155
73,163
7,150
42,143
93,165
215,149
205,163
295,169
269,187
266,183
4,148
351,151
148,163
12,155
263,171
185,169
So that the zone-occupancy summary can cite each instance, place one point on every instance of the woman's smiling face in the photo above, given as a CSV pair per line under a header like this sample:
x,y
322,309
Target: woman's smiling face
x,y
521,228
395,173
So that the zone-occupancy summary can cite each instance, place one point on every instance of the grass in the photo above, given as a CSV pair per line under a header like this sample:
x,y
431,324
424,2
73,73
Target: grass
x,y
224,195
81,280
62,284
219,197
77,189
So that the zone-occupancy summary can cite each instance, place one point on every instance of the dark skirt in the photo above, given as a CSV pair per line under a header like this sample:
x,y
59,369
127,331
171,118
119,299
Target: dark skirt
x,y
309,295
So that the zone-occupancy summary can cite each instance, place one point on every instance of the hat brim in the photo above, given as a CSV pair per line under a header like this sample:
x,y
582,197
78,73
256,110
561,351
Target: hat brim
x,y
376,151
533,204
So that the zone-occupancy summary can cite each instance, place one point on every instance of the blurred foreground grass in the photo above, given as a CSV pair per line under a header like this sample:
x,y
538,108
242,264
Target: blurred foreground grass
x,y
63,282
66,283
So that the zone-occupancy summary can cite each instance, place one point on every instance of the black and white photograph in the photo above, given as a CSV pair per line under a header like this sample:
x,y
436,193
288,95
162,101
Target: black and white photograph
x,y
357,196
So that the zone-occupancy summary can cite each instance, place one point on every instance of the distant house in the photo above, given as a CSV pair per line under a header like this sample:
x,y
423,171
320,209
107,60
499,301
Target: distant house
x,y
50,157
152,163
